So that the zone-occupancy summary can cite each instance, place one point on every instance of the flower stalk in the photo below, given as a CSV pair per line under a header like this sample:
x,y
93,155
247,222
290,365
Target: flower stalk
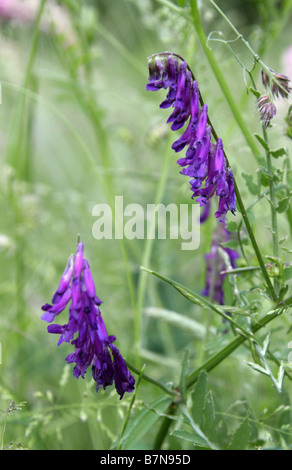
x,y
245,130
86,330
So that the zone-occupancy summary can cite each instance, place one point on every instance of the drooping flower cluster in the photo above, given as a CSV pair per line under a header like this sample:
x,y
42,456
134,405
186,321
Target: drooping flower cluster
x,y
278,86
216,264
267,109
93,346
205,162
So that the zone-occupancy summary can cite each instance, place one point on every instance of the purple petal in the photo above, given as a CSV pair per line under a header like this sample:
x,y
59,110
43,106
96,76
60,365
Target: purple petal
x,y
124,381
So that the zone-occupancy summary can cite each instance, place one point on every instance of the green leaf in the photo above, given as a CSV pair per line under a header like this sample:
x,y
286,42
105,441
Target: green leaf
x,y
201,301
279,152
195,428
283,204
190,437
265,177
255,92
199,398
233,244
283,292
288,273
209,426
252,187
263,142
232,226
181,3
258,368
241,437
143,422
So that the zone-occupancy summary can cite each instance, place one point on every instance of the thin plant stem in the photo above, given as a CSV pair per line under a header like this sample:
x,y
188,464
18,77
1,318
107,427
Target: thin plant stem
x,y
126,420
217,358
241,38
240,204
221,81
254,244
164,427
209,365
151,380
275,236
18,150
3,431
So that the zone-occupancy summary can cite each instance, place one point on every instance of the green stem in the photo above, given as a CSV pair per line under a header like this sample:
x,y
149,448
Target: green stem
x,y
126,420
241,206
164,427
275,237
87,102
240,37
236,112
198,299
151,379
217,358
221,80
3,431
208,366
19,150
254,243
245,269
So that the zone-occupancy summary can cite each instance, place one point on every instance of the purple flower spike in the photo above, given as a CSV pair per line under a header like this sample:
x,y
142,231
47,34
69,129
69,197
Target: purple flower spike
x,y
204,162
65,281
85,329
123,379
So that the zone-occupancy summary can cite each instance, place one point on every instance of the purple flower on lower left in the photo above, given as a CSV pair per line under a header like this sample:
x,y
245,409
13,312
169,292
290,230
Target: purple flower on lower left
x,y
85,330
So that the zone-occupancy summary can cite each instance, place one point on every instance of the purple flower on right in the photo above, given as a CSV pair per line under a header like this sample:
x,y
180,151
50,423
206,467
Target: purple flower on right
x,y
85,330
215,265
204,161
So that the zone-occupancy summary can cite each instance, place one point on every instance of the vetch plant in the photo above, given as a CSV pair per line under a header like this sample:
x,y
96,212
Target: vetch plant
x,y
205,162
93,347
211,176
208,363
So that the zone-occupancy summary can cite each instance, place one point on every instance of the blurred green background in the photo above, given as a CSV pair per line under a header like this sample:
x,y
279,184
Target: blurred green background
x,y
77,128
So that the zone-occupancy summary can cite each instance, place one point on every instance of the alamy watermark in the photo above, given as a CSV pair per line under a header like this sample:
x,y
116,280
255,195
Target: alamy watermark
x,y
152,221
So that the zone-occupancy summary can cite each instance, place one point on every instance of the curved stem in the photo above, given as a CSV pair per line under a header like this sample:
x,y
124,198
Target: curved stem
x,y
164,427
256,56
209,365
275,237
254,244
217,358
151,379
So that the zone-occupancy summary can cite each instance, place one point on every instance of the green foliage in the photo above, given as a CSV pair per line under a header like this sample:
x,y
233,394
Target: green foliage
x,y
77,128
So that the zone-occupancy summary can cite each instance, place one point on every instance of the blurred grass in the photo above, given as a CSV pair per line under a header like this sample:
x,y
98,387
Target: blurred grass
x,y
75,159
